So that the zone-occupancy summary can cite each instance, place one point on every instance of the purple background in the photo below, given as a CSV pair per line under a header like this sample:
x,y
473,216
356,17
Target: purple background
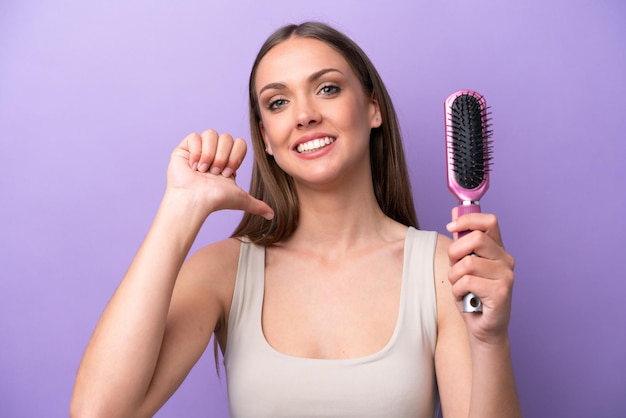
x,y
95,95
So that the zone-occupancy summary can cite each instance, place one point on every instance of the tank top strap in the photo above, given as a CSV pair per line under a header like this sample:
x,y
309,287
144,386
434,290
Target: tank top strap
x,y
419,294
247,302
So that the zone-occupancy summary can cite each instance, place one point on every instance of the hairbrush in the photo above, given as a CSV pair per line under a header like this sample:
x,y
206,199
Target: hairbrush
x,y
468,149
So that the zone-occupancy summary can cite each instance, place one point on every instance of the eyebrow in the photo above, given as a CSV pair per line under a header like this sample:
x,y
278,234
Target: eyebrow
x,y
313,77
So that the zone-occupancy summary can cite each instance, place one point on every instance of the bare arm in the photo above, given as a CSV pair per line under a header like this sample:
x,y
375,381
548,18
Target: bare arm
x,y
473,362
159,309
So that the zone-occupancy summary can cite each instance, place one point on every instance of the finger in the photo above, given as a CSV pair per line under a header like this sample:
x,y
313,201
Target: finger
x,y
209,143
258,207
498,269
491,292
237,154
479,246
484,222
454,216
224,146
455,213
254,206
475,243
192,144
468,284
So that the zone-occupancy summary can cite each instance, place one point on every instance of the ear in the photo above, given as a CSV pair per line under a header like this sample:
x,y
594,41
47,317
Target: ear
x,y
375,118
268,148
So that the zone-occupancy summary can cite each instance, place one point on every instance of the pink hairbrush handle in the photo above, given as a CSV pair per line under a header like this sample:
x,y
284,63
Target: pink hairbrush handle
x,y
471,302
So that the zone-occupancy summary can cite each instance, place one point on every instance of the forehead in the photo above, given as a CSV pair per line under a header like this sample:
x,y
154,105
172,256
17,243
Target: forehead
x,y
297,58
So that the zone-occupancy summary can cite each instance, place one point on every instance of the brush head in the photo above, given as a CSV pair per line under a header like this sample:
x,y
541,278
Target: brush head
x,y
468,145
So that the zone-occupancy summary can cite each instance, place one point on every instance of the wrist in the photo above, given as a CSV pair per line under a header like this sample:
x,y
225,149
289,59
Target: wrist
x,y
186,205
491,349
179,218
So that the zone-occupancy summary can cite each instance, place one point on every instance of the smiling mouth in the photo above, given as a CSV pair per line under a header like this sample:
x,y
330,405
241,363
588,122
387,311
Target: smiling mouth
x,y
314,145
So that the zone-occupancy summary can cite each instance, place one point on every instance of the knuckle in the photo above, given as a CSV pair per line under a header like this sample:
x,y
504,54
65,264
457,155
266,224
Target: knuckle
x,y
453,277
210,133
466,282
479,239
492,220
454,253
511,261
225,137
509,277
502,292
471,263
193,135
193,143
240,145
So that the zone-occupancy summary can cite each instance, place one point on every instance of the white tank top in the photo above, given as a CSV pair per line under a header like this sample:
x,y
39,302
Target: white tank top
x,y
397,381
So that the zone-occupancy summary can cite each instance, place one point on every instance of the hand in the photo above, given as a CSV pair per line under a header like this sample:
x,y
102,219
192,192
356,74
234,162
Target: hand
x,y
489,275
204,166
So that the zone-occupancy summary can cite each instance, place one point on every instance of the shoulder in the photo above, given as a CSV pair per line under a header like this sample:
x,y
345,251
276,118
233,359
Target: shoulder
x,y
213,267
450,324
441,255
217,260
443,242
208,276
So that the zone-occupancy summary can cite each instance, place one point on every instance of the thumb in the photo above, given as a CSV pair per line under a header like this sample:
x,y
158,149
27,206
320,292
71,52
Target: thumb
x,y
451,226
257,207
455,213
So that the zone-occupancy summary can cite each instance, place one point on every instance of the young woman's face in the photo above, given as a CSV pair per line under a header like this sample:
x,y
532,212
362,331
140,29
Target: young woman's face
x,y
315,116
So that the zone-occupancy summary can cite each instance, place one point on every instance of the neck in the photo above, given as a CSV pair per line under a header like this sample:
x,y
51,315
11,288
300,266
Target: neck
x,y
339,221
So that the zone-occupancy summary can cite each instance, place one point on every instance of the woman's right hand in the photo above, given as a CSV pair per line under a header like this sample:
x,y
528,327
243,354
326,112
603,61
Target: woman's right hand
x,y
204,166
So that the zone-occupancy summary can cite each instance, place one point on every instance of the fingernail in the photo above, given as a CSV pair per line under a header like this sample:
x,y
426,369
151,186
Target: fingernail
x,y
269,216
215,170
194,166
450,227
203,167
227,172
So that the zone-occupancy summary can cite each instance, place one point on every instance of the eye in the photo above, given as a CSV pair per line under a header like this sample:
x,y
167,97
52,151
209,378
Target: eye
x,y
329,90
276,104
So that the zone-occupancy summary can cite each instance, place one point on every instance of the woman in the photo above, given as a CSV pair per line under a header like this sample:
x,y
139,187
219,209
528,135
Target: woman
x,y
327,301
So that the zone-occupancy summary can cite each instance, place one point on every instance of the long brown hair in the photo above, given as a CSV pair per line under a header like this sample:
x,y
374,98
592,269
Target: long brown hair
x,y
275,187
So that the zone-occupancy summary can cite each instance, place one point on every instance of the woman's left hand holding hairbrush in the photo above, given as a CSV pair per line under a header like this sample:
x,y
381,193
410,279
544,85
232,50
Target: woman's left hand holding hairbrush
x,y
480,264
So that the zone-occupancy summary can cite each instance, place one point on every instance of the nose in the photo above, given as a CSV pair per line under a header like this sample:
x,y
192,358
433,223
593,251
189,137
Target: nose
x,y
306,113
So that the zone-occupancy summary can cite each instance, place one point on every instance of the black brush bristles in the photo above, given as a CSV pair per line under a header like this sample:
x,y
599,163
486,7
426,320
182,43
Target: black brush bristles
x,y
471,147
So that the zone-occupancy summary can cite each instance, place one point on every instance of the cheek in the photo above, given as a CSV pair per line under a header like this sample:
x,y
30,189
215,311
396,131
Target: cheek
x,y
274,125
275,131
357,117
357,109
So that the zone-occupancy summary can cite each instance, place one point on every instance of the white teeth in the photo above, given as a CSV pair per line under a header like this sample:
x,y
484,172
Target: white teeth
x,y
315,144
